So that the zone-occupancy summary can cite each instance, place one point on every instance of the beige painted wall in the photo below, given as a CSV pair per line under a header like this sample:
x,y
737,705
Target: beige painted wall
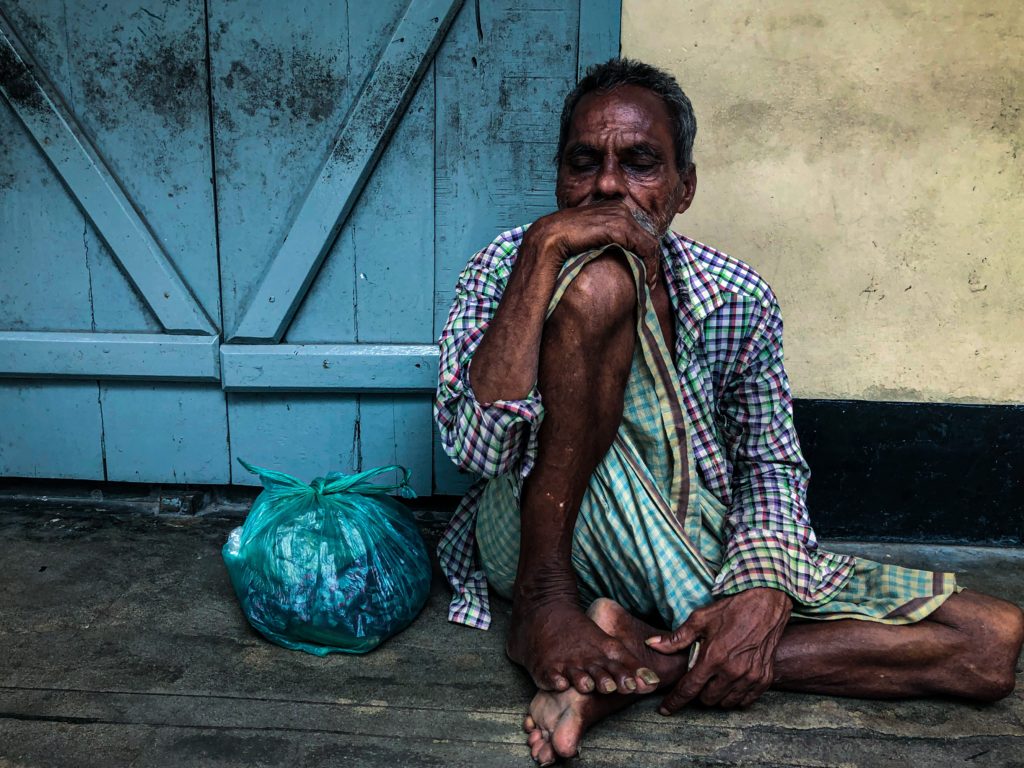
x,y
867,158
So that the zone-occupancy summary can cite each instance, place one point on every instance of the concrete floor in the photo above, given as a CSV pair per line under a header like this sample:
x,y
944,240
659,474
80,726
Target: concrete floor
x,y
121,644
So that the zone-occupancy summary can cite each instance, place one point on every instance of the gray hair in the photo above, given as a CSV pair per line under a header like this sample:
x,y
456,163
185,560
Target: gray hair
x,y
613,73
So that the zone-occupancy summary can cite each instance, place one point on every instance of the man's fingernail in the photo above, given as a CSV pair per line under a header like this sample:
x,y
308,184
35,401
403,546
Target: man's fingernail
x,y
653,640
663,711
648,676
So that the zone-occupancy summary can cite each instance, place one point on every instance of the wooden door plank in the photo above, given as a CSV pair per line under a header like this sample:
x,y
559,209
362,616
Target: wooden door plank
x,y
51,429
381,267
329,367
46,271
398,430
109,355
305,435
96,188
387,224
600,32
137,85
393,230
165,432
387,269
281,84
53,264
367,130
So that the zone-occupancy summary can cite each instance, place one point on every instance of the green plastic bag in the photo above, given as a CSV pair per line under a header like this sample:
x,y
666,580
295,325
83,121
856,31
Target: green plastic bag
x,y
330,566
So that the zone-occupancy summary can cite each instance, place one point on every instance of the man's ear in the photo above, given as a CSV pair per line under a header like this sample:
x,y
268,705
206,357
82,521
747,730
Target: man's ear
x,y
688,188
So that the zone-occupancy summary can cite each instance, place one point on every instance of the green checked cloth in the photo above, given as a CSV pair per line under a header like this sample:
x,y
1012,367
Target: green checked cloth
x,y
649,535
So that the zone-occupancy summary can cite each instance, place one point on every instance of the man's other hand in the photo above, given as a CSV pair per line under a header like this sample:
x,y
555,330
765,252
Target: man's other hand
x,y
738,636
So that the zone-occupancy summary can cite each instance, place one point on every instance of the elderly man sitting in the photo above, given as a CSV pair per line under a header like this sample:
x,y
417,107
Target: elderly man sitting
x,y
620,388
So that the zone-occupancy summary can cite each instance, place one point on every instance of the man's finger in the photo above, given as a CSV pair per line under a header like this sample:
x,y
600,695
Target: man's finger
x,y
735,698
681,637
753,695
717,690
755,692
684,692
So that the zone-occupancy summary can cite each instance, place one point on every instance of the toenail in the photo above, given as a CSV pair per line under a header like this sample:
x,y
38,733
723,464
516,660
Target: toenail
x,y
608,686
648,676
630,684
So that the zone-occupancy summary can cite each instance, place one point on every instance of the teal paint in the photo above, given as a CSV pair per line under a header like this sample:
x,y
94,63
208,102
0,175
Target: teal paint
x,y
325,368
366,132
109,356
164,432
398,430
600,33
281,84
96,190
51,429
46,271
307,434
129,89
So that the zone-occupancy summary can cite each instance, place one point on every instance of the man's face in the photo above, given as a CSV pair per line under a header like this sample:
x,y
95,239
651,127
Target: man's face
x,y
620,147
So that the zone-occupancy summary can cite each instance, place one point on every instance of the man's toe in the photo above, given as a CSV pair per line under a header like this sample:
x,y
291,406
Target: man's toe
x,y
581,680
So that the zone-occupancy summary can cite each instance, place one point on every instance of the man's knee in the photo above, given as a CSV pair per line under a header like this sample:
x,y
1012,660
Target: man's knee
x,y
600,300
992,649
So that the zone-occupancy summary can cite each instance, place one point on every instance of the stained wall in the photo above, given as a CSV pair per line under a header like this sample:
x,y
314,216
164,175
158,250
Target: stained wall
x,y
868,159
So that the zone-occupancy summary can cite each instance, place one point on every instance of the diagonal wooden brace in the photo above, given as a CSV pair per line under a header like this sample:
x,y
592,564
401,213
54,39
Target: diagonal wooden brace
x,y
96,190
362,140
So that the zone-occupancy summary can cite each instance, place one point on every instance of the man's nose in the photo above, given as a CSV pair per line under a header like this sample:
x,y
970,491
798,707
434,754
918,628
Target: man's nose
x,y
610,183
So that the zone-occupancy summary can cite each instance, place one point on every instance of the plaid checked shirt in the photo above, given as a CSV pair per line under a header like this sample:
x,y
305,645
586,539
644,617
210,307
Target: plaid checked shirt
x,y
729,359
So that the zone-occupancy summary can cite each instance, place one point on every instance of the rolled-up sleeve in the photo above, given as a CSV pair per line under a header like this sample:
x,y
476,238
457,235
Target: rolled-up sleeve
x,y
489,439
769,539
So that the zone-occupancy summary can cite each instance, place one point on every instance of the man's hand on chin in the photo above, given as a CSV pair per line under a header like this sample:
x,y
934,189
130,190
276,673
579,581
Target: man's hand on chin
x,y
738,636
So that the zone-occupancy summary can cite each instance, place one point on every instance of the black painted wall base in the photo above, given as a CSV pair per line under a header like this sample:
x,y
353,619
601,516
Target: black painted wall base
x,y
927,471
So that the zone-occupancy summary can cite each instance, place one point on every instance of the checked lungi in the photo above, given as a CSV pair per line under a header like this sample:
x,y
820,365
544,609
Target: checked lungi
x,y
635,540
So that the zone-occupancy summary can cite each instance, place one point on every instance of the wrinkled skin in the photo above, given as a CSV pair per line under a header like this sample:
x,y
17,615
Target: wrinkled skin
x,y
738,637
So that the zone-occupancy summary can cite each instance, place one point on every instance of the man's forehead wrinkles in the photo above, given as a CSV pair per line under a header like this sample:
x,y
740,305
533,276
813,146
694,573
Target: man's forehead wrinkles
x,y
640,143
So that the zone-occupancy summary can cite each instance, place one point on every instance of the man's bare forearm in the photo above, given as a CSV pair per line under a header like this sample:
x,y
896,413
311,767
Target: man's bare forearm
x,y
505,364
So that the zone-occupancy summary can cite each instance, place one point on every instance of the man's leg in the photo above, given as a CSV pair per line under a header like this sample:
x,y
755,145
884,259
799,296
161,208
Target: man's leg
x,y
585,360
968,648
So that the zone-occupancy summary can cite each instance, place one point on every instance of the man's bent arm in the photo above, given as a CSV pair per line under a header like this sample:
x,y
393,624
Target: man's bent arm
x,y
769,540
488,439
505,364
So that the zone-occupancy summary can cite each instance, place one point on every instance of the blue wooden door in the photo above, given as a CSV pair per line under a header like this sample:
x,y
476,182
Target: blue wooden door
x,y
232,230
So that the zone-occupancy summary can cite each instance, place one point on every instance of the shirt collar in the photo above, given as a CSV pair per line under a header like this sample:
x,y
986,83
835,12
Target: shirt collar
x,y
694,292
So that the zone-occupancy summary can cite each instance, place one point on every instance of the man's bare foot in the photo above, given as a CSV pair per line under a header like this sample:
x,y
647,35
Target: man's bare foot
x,y
557,721
561,648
